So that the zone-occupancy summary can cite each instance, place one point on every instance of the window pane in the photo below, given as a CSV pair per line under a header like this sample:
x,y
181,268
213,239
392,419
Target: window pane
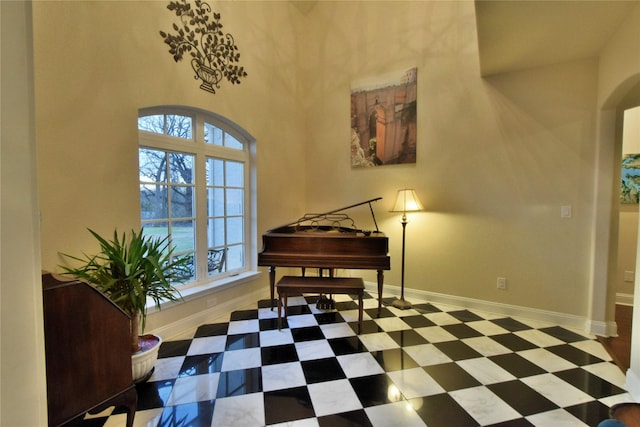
x,y
235,257
152,165
181,168
157,230
153,201
216,261
179,126
212,134
235,202
183,236
153,124
231,142
235,230
215,232
215,201
182,201
215,172
235,174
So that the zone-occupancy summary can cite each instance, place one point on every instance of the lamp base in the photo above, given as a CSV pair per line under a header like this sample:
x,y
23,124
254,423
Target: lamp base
x,y
402,304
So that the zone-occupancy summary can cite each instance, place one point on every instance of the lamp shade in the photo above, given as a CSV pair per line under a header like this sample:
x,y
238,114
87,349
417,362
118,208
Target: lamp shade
x,y
407,201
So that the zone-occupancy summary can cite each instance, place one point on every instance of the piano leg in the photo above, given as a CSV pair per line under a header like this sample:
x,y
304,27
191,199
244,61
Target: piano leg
x,y
272,282
380,281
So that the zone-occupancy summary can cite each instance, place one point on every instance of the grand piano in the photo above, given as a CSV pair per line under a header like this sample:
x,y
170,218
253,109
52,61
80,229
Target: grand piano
x,y
326,241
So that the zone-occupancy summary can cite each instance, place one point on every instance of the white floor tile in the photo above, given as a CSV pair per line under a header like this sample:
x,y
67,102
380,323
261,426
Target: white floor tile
x,y
246,410
359,365
415,383
484,406
333,397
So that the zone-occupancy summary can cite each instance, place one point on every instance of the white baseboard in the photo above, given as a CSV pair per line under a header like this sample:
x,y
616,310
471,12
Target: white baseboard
x,y
624,299
561,319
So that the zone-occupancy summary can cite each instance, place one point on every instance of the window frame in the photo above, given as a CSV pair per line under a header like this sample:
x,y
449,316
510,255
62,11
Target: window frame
x,y
202,151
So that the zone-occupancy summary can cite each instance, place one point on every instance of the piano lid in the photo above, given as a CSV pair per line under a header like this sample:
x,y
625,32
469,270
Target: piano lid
x,y
329,221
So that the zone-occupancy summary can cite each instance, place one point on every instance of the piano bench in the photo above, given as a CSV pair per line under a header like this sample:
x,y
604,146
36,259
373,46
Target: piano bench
x,y
293,285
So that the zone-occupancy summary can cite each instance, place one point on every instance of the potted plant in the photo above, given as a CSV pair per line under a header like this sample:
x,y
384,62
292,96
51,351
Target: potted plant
x,y
129,270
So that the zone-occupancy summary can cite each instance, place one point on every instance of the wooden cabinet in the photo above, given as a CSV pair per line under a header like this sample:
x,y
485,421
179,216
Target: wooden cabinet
x,y
88,355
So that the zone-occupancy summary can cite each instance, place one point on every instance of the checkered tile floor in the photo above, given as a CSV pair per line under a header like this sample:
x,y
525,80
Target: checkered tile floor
x,y
431,365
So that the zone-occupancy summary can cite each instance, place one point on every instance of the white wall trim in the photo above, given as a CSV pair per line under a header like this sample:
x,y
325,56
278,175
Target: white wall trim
x,y
526,313
624,299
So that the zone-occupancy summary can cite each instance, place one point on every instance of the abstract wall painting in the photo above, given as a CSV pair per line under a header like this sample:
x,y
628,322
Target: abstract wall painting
x,y
630,179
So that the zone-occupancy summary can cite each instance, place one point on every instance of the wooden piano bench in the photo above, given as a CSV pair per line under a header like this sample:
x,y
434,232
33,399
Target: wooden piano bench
x,y
294,285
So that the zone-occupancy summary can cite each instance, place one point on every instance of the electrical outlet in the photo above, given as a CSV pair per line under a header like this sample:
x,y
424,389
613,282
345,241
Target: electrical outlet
x,y
502,283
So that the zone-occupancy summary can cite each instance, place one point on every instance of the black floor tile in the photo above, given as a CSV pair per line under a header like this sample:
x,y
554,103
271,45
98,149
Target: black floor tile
x,y
563,334
215,329
522,398
281,406
457,350
174,348
372,390
451,376
201,364
242,341
465,315
513,342
417,321
517,365
461,331
407,337
394,359
591,413
346,345
320,370
308,333
591,384
239,382
510,324
189,414
441,410
574,355
279,354
244,315
346,419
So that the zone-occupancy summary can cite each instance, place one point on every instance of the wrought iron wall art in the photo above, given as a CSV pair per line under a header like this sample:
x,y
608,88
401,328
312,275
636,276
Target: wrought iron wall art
x,y
214,54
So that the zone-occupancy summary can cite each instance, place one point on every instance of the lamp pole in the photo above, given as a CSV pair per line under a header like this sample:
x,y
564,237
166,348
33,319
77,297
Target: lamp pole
x,y
402,303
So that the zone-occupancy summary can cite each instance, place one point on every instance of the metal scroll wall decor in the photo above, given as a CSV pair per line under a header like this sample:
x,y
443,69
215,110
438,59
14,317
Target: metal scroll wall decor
x,y
214,54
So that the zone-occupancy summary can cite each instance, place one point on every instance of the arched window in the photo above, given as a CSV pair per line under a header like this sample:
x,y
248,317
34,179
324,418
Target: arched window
x,y
195,176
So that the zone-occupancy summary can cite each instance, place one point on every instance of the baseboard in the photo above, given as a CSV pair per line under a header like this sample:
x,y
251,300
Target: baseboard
x,y
624,299
526,313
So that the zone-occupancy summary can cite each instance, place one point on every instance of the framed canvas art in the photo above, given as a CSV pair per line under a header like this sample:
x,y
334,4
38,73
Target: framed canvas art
x,y
383,119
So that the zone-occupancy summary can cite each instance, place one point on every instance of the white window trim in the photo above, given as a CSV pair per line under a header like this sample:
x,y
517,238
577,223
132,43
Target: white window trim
x,y
208,284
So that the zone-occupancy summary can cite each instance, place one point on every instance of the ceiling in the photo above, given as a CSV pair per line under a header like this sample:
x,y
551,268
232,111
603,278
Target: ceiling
x,y
516,35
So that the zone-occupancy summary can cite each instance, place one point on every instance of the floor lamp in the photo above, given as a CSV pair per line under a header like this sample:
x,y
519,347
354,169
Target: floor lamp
x,y
407,201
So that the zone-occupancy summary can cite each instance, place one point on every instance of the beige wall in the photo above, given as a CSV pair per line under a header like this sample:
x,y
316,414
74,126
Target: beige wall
x,y
497,158
98,62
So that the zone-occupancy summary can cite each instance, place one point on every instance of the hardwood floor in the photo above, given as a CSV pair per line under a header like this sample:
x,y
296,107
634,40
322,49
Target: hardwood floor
x,y
620,347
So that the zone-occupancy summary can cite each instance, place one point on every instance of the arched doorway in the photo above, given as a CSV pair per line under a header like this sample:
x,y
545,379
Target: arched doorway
x,y
606,221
